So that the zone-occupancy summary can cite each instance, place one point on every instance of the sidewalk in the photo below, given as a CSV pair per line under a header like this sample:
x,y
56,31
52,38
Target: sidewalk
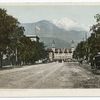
x,y
86,66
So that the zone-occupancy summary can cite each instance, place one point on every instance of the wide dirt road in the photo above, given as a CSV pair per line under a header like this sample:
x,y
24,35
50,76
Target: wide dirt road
x,y
51,75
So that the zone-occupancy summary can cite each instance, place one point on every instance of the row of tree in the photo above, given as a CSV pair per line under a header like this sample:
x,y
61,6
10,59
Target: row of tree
x,y
15,45
91,46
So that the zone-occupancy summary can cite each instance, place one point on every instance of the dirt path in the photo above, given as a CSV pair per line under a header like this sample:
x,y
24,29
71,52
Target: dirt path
x,y
51,75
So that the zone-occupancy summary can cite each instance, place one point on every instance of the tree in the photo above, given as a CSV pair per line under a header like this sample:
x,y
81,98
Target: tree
x,y
80,51
40,52
25,50
92,44
30,51
8,25
94,39
15,45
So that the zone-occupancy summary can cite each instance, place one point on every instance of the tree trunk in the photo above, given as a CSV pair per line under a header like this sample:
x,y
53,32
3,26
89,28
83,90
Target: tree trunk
x,y
1,58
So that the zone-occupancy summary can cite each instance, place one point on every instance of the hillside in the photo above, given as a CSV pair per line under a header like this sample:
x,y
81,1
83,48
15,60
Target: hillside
x,y
48,31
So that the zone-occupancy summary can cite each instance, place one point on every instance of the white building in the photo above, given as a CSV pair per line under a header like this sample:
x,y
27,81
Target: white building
x,y
65,54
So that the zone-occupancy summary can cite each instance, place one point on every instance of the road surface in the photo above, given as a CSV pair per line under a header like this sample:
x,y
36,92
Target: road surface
x,y
49,76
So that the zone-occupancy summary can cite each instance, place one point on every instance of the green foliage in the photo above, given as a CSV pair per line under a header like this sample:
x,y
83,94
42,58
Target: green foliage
x,y
97,17
91,46
80,50
8,25
30,51
15,45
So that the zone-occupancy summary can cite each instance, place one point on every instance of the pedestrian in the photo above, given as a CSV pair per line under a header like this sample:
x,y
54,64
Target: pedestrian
x,y
80,61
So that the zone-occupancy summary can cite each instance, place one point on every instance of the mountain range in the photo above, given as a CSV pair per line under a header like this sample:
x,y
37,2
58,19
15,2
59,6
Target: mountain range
x,y
49,31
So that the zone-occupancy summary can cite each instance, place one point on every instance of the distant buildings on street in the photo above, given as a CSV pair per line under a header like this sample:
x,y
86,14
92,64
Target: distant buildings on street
x,y
64,54
56,54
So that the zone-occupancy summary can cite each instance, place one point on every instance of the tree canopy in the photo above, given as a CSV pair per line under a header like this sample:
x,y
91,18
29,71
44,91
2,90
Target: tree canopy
x,y
15,45
92,44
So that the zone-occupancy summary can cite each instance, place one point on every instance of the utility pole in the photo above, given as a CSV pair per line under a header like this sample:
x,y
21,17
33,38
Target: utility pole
x,y
35,28
87,48
86,36
16,56
16,51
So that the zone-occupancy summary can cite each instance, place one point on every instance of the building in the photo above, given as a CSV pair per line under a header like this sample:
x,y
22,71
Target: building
x,y
64,54
56,54
33,37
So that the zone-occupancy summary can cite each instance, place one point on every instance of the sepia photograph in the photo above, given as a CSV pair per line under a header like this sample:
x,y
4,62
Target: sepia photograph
x,y
50,46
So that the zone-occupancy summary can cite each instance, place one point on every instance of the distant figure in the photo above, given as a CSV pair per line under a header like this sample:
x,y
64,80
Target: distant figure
x,y
80,61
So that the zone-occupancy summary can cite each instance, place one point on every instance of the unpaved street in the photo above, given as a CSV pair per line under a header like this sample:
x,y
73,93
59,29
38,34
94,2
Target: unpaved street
x,y
51,75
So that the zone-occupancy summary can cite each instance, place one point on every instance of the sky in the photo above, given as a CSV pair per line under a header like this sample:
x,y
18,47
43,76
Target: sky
x,y
81,14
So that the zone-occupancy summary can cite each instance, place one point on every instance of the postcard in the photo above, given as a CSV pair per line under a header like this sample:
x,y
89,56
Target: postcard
x,y
49,49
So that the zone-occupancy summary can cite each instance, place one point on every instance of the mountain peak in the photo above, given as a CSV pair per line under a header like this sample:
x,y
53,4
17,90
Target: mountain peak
x,y
43,21
67,24
50,30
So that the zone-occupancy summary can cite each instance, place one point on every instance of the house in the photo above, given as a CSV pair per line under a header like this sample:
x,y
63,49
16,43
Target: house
x,y
33,37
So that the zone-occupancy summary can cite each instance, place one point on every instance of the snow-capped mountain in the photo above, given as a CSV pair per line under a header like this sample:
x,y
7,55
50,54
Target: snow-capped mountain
x,y
58,31
68,24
